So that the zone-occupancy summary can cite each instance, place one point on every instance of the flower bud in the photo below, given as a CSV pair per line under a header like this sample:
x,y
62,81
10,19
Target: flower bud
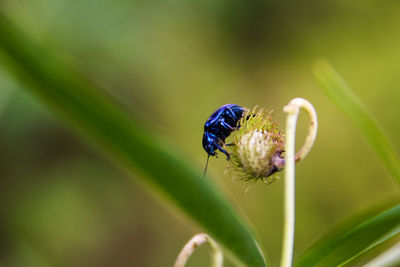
x,y
258,147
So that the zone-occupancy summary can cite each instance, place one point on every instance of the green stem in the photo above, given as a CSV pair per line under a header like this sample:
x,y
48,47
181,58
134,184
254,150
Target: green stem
x,y
292,110
196,241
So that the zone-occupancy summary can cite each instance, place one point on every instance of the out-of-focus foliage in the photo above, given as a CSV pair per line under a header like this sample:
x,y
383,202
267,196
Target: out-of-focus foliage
x,y
174,62
344,97
350,240
357,240
96,116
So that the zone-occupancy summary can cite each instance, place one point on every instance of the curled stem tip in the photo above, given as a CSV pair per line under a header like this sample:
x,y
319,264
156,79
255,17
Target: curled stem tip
x,y
192,244
292,110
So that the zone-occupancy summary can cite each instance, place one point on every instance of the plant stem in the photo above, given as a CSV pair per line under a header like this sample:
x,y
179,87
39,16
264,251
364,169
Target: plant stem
x,y
292,110
197,240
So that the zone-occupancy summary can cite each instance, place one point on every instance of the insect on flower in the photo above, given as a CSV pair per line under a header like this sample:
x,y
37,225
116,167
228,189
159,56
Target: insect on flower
x,y
219,126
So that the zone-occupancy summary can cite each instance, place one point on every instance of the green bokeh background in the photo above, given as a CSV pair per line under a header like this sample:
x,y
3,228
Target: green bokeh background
x,y
173,63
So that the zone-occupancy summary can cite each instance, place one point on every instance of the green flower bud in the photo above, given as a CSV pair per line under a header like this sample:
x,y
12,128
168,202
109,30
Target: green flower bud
x,y
258,145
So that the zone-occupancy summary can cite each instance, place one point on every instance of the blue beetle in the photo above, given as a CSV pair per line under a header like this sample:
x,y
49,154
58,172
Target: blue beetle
x,y
219,126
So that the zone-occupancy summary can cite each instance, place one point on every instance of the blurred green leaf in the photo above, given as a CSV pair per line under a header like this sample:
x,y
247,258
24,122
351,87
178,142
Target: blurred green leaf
x,y
348,101
385,254
352,239
124,141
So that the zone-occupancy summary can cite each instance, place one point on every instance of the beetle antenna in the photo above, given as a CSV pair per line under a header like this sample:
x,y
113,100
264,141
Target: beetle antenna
x,y
205,169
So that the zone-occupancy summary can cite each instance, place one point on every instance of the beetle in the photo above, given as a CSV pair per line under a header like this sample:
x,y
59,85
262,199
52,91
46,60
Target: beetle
x,y
219,126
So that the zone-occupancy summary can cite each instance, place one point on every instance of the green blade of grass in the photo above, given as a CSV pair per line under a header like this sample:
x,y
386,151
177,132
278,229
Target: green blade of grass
x,y
106,124
385,254
348,101
352,239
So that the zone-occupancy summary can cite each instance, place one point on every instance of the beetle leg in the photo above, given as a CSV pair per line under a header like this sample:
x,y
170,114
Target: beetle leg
x,y
230,144
223,151
228,126
249,116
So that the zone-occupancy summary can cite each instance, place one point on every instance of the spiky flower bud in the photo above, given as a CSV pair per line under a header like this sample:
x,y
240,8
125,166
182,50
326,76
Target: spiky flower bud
x,y
258,147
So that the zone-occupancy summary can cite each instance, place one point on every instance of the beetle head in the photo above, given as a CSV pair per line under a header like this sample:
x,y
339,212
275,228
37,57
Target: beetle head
x,y
209,143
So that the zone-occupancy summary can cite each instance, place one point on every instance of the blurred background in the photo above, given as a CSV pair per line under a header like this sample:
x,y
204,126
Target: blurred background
x,y
173,63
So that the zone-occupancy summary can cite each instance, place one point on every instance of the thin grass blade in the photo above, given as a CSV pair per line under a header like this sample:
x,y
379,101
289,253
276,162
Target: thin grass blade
x,y
352,239
340,93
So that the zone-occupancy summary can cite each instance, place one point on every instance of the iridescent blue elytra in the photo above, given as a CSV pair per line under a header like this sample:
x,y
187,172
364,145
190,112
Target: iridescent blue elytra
x,y
218,127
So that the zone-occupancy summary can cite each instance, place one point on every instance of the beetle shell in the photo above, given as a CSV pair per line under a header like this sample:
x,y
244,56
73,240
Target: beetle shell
x,y
219,126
